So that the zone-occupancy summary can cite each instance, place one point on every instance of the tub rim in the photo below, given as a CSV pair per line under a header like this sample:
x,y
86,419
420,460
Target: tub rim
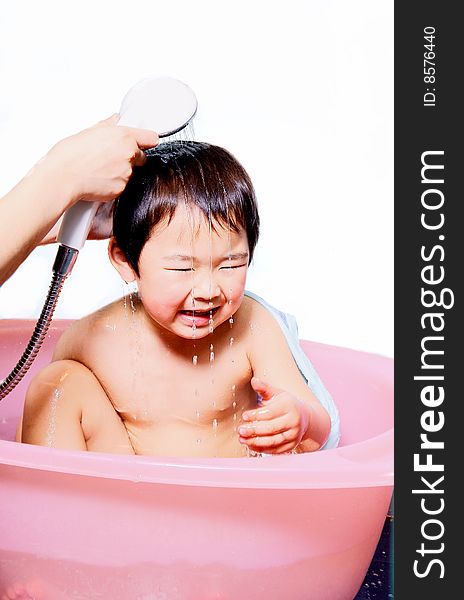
x,y
364,464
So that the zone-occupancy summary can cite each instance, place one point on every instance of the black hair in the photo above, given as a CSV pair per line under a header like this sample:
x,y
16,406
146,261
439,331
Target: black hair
x,y
200,174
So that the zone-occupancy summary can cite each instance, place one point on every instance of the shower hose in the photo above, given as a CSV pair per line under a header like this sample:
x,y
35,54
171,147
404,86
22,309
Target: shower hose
x,y
64,262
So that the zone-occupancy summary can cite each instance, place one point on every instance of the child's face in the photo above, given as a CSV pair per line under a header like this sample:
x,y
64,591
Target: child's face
x,y
189,274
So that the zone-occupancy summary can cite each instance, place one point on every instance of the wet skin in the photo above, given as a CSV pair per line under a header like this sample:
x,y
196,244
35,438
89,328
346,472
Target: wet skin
x,y
127,377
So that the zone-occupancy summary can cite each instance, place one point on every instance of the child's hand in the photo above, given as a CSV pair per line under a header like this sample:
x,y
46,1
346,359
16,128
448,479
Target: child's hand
x,y
278,425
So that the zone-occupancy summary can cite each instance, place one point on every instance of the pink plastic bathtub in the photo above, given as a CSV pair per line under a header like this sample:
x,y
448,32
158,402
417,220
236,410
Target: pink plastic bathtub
x,y
299,527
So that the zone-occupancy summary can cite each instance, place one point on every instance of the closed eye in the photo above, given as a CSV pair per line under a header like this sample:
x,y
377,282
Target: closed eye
x,y
234,266
181,270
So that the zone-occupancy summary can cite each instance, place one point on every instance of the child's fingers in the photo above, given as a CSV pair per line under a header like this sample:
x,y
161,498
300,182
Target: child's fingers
x,y
265,428
284,449
270,443
264,389
265,413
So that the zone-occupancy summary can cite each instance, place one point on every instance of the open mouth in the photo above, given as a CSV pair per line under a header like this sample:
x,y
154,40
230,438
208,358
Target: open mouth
x,y
199,317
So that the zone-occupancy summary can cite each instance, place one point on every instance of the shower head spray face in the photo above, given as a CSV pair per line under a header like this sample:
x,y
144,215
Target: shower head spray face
x,y
162,104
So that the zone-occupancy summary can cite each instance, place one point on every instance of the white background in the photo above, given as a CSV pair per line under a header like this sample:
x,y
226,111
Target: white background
x,y
301,92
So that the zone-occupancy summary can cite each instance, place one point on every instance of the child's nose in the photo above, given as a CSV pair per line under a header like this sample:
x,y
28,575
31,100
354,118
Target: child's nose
x,y
204,287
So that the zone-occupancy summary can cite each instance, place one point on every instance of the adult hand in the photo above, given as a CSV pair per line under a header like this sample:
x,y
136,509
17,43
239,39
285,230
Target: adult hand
x,y
96,163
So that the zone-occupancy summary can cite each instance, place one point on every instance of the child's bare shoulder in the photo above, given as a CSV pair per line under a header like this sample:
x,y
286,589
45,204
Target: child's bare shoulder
x,y
257,317
263,331
85,339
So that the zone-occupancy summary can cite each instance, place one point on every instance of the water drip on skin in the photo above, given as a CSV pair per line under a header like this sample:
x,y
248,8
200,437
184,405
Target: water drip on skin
x,y
131,298
211,355
138,387
210,322
51,430
215,426
195,359
110,326
252,453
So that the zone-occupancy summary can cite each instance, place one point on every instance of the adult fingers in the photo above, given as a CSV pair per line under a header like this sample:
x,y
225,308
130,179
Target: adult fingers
x,y
145,138
139,158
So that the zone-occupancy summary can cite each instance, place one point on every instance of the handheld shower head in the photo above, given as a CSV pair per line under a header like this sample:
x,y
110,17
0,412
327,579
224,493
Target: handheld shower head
x,y
162,104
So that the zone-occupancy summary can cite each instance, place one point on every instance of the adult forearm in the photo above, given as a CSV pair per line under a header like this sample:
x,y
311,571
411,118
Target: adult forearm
x,y
27,213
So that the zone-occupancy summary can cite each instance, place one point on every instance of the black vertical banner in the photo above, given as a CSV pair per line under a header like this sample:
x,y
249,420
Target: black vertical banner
x,y
429,332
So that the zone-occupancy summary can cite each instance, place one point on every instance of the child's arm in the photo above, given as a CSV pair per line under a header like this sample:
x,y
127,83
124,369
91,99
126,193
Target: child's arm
x,y
290,414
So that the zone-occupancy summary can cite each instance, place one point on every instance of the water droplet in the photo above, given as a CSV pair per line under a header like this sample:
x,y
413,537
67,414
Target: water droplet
x,y
230,301
231,341
234,405
198,441
231,321
215,423
195,359
131,298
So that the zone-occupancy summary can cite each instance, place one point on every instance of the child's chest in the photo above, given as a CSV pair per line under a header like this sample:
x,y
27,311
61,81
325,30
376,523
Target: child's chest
x,y
164,395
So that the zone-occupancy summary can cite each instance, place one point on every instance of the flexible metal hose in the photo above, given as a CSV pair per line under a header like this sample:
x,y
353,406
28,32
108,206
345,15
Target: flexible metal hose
x,y
62,267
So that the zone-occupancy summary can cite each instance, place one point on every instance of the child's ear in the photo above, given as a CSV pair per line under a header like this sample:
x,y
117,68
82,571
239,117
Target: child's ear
x,y
119,261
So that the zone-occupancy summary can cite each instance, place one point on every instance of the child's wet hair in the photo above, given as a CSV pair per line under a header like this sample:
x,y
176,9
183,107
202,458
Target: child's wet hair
x,y
196,173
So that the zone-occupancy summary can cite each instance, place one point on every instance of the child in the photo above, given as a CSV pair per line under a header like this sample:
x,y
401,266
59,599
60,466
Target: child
x,y
191,365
